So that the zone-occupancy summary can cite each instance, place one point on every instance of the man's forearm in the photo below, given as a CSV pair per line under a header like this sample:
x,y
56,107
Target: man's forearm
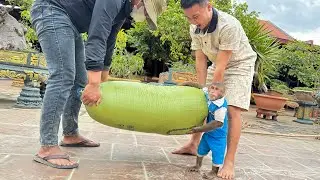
x,y
201,73
94,77
218,75
201,67
221,64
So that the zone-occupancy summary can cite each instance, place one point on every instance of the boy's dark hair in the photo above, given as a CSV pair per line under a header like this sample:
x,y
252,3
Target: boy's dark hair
x,y
185,4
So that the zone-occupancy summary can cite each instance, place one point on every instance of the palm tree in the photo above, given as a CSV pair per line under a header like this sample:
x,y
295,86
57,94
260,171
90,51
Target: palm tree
x,y
266,47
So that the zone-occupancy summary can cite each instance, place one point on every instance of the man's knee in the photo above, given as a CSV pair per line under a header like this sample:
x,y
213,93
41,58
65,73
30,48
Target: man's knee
x,y
234,113
62,78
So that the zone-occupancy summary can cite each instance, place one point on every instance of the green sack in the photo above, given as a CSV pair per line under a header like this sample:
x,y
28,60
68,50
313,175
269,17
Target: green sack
x,y
135,106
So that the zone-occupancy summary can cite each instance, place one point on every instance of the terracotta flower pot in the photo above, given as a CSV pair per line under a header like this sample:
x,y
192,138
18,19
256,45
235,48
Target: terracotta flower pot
x,y
267,102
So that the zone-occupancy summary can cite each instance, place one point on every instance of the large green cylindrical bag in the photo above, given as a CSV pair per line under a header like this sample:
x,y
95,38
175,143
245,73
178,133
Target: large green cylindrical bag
x,y
135,106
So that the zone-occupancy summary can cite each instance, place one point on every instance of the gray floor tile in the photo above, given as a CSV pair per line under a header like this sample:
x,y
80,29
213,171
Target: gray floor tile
x,y
125,152
163,141
111,170
156,171
281,163
22,167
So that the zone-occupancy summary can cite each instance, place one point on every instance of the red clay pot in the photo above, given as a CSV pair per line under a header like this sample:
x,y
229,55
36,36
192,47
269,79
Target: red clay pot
x,y
267,102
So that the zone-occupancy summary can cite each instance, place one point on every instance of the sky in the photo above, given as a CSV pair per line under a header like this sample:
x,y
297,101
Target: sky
x,y
298,18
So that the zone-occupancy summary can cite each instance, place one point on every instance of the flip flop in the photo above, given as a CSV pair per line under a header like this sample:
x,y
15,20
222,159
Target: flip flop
x,y
45,161
84,143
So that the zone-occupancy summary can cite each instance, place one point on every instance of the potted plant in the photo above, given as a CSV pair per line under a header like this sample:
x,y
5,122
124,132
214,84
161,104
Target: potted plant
x,y
267,51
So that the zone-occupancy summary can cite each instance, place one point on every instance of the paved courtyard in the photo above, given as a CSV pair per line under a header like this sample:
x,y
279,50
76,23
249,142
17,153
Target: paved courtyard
x,y
127,155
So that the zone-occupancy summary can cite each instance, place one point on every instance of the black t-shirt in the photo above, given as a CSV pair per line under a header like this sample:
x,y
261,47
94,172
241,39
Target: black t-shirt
x,y
102,19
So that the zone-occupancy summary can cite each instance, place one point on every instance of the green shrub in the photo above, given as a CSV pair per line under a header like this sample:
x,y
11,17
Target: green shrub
x,y
301,61
279,86
125,64
171,41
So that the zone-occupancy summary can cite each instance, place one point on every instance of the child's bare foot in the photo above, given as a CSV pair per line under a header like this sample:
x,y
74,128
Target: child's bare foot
x,y
193,169
210,175
227,171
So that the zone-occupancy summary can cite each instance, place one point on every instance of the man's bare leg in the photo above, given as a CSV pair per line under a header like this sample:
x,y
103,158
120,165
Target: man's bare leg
x,y
191,147
234,129
104,76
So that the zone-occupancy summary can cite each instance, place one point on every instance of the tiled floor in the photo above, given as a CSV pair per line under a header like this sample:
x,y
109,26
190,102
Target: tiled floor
x,y
133,155
126,155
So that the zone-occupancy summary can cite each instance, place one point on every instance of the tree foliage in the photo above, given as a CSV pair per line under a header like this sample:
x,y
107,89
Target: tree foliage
x,y
171,41
266,47
25,5
301,61
125,64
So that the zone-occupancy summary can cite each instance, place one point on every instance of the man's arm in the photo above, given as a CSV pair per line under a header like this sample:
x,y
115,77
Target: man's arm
x,y
229,38
111,44
201,67
201,58
221,64
104,13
